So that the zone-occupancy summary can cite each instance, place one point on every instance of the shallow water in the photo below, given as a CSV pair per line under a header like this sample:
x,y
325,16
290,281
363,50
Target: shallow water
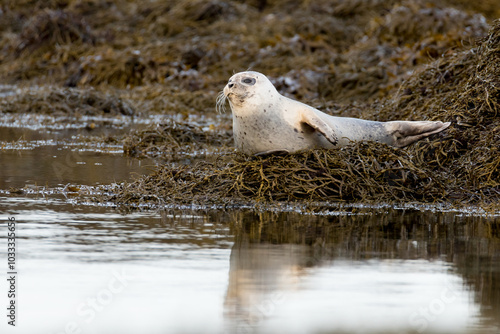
x,y
91,269
57,158
59,165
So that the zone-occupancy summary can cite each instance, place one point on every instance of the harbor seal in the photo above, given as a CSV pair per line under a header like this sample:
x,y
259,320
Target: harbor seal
x,y
264,121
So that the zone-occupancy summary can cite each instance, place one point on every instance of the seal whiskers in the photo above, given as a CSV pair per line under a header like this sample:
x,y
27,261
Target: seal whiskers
x,y
220,104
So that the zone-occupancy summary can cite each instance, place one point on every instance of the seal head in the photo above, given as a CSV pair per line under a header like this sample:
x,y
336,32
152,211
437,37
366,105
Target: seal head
x,y
247,89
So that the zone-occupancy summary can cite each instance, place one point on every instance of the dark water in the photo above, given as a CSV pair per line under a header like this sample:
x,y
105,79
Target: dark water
x,y
88,269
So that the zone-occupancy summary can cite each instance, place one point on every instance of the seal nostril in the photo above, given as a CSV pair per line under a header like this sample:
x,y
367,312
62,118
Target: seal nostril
x,y
230,85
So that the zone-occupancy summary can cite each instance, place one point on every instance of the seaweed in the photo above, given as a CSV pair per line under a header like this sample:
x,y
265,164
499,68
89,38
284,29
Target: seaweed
x,y
65,101
381,60
173,141
352,173
459,166
52,27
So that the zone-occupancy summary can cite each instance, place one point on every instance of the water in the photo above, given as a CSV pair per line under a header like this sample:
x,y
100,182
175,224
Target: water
x,y
50,159
100,271
91,269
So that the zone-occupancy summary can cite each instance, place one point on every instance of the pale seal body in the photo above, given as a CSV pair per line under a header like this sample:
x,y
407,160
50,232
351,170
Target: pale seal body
x,y
264,121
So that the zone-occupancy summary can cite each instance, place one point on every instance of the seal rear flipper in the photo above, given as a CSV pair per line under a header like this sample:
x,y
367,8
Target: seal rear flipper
x,y
405,133
309,118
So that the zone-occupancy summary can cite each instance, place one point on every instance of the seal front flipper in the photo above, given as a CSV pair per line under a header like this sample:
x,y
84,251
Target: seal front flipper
x,y
404,133
308,118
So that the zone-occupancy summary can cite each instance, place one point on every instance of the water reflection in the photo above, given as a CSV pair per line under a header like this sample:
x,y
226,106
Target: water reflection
x,y
374,272
174,269
387,271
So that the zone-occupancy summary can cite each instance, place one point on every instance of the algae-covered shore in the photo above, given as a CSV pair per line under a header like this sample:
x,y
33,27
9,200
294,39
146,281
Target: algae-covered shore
x,y
380,60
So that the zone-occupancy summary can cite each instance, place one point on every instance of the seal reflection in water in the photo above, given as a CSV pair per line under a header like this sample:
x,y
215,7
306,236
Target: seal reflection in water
x,y
264,121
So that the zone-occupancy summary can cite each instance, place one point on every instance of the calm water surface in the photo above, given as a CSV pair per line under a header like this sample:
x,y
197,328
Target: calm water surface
x,y
99,271
87,269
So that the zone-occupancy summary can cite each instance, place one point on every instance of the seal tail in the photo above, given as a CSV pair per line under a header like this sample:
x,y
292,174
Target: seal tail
x,y
405,133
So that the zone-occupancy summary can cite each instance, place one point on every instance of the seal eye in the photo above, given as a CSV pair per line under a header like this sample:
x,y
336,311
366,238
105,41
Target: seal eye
x,y
248,81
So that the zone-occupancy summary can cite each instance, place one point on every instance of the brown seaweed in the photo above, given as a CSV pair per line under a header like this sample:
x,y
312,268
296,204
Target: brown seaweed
x,y
381,60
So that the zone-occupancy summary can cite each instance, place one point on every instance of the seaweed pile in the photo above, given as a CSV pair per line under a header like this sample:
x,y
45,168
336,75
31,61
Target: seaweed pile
x,y
379,59
348,174
459,166
65,101
173,141
331,50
